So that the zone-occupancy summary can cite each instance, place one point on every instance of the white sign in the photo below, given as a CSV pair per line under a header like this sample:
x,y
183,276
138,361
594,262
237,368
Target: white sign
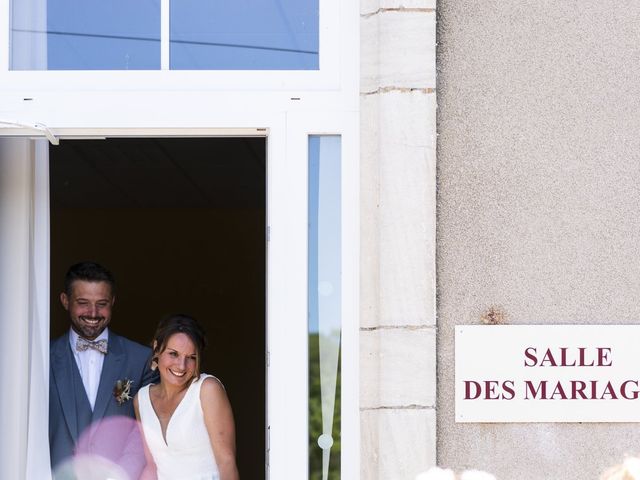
x,y
547,373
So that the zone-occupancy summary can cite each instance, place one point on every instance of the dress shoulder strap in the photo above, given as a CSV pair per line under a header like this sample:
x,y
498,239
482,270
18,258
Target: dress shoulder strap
x,y
144,400
203,377
144,391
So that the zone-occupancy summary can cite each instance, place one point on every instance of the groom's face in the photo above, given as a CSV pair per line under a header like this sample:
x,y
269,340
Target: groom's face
x,y
89,306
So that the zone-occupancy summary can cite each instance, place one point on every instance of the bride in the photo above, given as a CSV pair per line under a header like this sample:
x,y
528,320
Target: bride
x,y
186,418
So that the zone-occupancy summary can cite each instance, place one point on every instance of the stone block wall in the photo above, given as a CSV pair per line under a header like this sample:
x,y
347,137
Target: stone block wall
x,y
398,166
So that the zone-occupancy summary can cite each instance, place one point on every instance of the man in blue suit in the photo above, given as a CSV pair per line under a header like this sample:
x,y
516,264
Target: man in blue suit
x,y
94,375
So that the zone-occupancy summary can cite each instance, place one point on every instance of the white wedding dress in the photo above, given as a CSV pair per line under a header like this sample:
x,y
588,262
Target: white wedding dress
x,y
187,452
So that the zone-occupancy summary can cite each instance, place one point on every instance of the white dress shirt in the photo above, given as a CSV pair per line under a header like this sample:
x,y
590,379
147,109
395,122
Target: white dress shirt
x,y
89,364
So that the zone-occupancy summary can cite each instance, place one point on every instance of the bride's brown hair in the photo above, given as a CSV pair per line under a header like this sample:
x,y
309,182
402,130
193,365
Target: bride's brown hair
x,y
179,323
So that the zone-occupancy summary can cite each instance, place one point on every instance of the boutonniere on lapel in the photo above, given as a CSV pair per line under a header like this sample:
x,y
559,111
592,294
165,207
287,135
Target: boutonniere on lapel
x,y
122,390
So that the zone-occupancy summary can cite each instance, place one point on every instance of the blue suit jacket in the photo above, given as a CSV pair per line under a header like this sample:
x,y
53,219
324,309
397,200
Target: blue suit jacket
x,y
70,413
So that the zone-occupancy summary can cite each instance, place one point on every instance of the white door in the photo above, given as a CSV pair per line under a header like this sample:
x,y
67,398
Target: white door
x,y
288,292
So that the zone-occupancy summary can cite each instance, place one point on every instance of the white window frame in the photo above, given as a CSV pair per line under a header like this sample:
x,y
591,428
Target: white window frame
x,y
327,77
285,106
287,259
62,100
290,360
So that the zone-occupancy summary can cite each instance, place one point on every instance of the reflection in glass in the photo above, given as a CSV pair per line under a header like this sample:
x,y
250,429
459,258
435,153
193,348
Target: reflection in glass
x,y
325,318
85,35
244,35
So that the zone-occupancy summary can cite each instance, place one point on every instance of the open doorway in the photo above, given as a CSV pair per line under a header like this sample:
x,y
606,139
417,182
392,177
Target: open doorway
x,y
181,224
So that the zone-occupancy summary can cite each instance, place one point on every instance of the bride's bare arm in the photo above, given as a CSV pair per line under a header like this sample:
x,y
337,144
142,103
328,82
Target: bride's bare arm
x,y
149,472
218,418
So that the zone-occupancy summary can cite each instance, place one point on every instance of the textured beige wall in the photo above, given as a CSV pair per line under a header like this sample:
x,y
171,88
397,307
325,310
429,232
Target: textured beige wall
x,y
538,202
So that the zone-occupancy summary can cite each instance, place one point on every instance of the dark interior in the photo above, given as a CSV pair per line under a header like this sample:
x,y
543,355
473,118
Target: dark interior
x,y
181,224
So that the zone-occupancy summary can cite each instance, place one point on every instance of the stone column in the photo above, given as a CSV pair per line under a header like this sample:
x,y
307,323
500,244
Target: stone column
x,y
398,178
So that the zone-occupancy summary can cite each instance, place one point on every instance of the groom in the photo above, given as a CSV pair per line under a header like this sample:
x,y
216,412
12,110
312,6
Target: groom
x,y
90,370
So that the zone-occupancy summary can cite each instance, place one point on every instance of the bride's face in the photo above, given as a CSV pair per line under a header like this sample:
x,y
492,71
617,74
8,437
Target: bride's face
x,y
177,362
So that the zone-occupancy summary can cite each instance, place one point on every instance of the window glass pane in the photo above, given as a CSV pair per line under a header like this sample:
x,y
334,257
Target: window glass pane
x,y
244,35
325,317
85,35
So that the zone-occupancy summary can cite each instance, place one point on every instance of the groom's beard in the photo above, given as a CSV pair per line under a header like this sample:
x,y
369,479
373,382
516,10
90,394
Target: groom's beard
x,y
90,327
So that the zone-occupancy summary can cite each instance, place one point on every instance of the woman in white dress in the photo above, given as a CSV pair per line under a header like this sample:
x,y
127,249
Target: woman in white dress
x,y
186,418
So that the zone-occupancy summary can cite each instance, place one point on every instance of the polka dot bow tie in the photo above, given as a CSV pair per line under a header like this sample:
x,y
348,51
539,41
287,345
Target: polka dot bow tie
x,y
83,344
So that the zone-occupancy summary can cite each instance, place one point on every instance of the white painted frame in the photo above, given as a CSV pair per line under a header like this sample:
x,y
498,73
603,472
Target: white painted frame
x,y
285,106
65,101
290,360
287,320
327,77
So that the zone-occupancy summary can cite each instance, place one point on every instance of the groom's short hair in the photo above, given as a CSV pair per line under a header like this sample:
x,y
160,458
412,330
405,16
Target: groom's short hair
x,y
88,272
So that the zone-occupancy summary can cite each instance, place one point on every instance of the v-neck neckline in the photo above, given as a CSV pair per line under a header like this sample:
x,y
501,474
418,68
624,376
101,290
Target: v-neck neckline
x,y
155,413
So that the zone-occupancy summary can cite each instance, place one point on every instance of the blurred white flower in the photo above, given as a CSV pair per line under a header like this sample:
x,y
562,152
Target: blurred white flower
x,y
476,475
436,473
89,467
632,466
628,470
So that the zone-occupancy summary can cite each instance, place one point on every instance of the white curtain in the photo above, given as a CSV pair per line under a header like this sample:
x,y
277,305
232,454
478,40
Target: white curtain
x,y
24,308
